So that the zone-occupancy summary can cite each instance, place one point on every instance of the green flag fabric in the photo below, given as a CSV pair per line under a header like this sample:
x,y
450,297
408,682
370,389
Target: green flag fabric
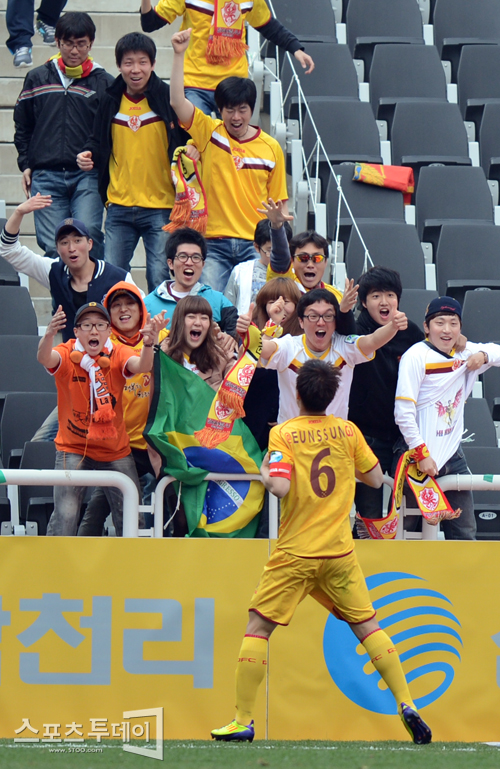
x,y
179,407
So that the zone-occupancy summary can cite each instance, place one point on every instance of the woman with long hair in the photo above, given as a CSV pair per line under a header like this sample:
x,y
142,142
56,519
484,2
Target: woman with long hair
x,y
272,291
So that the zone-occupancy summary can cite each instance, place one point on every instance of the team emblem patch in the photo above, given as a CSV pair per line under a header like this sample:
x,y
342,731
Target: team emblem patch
x,y
429,499
457,364
276,456
351,339
245,375
221,411
238,162
134,122
230,13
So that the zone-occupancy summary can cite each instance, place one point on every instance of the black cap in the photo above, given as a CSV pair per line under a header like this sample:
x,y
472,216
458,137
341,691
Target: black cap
x,y
122,292
443,304
92,307
68,225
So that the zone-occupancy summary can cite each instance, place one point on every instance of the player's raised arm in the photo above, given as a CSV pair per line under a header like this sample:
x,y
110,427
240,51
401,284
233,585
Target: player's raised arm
x,y
371,342
183,108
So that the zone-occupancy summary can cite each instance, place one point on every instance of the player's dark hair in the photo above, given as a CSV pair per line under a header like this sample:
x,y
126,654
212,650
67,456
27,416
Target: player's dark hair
x,y
262,233
311,236
379,279
272,290
75,24
235,91
317,295
185,235
135,42
317,384
208,355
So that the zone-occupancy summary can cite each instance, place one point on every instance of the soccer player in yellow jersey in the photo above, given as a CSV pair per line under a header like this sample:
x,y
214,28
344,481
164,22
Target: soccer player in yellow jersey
x,y
241,166
312,464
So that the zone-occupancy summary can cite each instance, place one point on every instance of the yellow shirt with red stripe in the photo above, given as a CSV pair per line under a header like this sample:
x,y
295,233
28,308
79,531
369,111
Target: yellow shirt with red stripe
x,y
318,454
290,273
197,14
139,166
237,176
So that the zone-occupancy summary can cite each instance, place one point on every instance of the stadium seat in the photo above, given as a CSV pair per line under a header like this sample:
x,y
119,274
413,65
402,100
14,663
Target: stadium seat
x,y
17,314
401,73
342,80
20,370
8,275
489,141
390,244
480,427
428,132
491,388
414,303
315,24
478,81
467,257
366,201
485,461
348,131
461,22
23,414
371,22
450,194
36,503
481,315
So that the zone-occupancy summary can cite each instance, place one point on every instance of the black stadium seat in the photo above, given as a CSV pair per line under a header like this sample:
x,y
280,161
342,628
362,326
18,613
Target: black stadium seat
x,y
485,461
17,314
20,370
464,22
414,303
478,80
481,315
489,141
314,24
390,244
480,427
467,257
36,503
22,415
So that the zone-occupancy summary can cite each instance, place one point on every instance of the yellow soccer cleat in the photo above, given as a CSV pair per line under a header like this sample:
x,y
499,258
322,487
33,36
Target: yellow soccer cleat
x,y
234,732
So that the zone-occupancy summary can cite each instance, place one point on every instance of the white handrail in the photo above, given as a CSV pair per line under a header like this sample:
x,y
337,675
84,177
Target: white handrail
x,y
83,478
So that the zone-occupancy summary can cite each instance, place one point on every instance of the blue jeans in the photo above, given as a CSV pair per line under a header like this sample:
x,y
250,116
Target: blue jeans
x,y
49,427
68,499
202,99
222,255
19,20
74,194
124,226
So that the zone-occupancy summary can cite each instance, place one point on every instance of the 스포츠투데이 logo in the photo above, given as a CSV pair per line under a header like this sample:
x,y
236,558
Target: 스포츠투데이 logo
x,y
425,633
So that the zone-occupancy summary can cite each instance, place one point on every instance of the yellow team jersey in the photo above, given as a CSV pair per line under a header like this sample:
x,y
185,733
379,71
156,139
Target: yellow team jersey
x,y
237,176
139,166
318,455
198,14
290,273
136,398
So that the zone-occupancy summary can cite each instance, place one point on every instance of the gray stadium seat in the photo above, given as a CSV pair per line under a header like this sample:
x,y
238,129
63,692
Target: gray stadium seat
x,y
402,73
342,80
20,370
36,503
450,194
8,275
17,314
428,132
371,22
307,24
348,131
478,423
462,22
478,80
22,415
467,257
366,201
491,387
485,461
390,244
481,315
414,303
489,141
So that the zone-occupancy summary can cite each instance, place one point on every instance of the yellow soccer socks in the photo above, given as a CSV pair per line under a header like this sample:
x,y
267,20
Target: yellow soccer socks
x,y
385,659
250,671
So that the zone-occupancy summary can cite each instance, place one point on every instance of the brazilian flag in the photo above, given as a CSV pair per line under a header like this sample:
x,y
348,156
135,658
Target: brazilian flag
x,y
179,407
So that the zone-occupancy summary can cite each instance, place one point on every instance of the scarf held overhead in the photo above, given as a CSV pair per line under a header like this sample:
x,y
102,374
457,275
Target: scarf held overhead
x,y
431,501
225,38
101,425
190,207
228,402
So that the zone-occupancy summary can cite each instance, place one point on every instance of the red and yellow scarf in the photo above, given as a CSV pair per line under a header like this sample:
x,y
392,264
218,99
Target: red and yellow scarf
x,y
225,38
83,70
190,207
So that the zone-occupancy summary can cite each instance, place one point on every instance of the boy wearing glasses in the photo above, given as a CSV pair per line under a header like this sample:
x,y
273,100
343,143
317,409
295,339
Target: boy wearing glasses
x,y
317,312
186,254
53,117
90,372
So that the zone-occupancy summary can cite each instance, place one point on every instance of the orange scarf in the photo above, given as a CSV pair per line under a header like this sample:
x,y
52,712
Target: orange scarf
x,y
101,425
225,39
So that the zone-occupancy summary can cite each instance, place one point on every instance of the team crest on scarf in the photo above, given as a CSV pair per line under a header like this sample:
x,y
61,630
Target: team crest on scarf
x,y
230,13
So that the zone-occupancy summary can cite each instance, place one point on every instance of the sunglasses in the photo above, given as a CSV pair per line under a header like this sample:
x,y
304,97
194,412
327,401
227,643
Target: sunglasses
x,y
304,258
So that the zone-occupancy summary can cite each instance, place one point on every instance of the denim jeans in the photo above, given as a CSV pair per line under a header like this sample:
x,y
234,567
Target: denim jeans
x,y
19,20
463,527
49,427
202,99
124,226
68,499
74,194
222,255
369,501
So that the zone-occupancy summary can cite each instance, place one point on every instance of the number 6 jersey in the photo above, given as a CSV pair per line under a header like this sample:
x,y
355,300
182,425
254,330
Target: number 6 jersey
x,y
318,454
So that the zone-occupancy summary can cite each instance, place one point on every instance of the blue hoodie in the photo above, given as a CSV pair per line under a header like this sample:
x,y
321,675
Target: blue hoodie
x,y
224,313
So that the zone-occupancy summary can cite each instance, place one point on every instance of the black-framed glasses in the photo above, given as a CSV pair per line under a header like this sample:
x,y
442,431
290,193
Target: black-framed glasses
x,y
195,258
68,45
316,258
102,325
328,317
266,251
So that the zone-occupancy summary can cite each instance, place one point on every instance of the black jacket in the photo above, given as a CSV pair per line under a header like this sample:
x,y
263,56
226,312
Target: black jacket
x,y
373,389
52,123
158,95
